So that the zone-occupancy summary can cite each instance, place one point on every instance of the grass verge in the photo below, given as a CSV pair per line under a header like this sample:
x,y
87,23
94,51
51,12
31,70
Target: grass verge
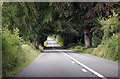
x,y
29,54
108,49
94,52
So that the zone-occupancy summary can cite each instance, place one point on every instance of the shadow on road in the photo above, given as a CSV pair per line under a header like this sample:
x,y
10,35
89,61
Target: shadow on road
x,y
56,50
53,48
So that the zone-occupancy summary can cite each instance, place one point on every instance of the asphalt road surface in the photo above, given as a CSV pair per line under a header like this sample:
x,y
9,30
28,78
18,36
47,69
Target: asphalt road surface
x,y
58,62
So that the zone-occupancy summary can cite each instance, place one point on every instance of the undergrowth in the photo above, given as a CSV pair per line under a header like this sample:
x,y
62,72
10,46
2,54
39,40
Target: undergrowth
x,y
109,50
15,53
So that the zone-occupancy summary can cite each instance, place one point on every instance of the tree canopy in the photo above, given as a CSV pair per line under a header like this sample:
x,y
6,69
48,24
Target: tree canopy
x,y
70,20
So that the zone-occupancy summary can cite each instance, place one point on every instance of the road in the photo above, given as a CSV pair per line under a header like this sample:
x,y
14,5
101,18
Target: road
x,y
58,62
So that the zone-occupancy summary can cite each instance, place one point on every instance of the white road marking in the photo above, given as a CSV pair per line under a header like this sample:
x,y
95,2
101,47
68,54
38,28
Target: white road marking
x,y
86,67
73,62
84,70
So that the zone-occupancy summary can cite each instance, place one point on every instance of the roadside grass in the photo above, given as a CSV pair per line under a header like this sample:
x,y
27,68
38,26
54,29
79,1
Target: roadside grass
x,y
30,54
108,49
16,53
95,52
77,50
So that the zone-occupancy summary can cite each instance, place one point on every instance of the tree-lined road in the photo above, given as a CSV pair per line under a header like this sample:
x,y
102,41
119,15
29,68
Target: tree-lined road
x,y
58,62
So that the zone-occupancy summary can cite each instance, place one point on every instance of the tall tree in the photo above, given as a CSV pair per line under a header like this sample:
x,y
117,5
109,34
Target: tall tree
x,y
29,17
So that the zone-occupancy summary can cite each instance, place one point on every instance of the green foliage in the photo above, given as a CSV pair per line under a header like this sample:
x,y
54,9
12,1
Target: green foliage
x,y
16,32
35,21
45,43
79,47
48,17
109,46
14,55
38,20
29,18
12,51
110,25
96,38
112,45
63,9
109,49
59,40
67,31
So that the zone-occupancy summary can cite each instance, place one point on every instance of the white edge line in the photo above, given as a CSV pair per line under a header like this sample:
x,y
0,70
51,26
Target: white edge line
x,y
91,70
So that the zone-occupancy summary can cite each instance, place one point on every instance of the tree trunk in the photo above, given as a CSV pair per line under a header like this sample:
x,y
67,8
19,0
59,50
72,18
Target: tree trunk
x,y
87,38
42,44
36,44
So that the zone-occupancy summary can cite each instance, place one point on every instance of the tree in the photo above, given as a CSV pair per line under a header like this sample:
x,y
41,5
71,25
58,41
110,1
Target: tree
x,y
70,20
29,18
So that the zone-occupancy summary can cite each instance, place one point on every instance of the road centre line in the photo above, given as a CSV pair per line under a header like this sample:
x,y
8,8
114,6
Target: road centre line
x,y
91,70
86,67
84,70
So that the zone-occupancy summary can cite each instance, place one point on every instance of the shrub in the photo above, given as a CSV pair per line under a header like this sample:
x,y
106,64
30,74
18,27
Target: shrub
x,y
79,47
59,40
96,39
112,46
12,51
110,26
71,45
109,49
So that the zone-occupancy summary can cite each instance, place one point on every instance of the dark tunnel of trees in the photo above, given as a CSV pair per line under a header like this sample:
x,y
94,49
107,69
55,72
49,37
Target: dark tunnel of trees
x,y
74,22
85,24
